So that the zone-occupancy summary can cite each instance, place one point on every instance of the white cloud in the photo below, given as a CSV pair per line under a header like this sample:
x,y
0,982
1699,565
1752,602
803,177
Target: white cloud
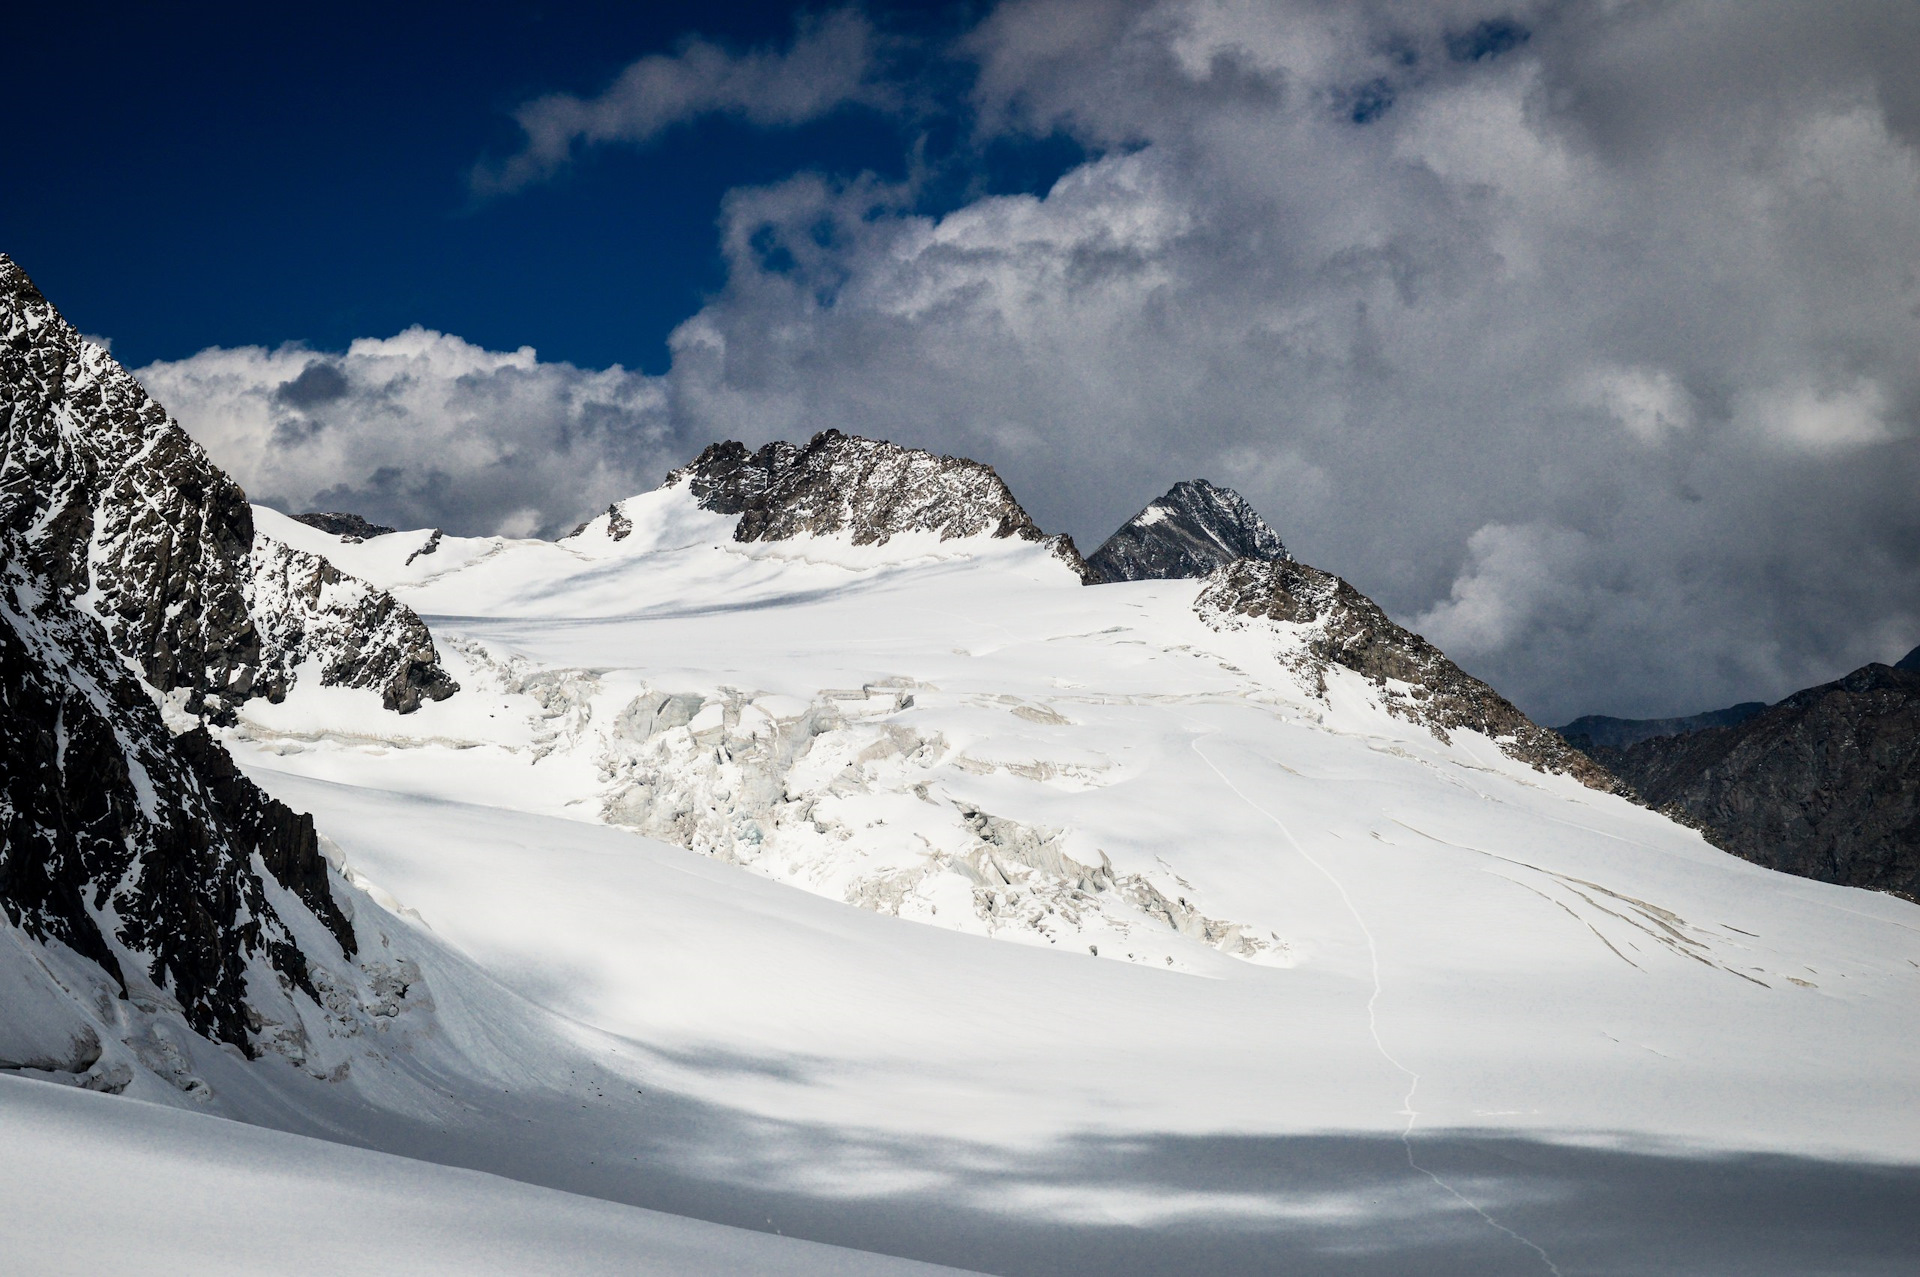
x,y
422,429
1395,333
1515,581
827,66
1649,403
1815,419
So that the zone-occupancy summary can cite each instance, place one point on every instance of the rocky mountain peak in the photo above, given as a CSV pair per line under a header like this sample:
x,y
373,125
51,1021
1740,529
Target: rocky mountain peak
x,y
114,506
1319,620
1190,531
867,489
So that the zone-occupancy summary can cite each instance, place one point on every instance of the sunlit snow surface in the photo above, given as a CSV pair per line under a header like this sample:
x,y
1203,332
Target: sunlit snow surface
x,y
1360,995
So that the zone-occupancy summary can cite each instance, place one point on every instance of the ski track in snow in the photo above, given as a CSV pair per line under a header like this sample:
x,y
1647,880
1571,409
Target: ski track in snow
x,y
1373,1024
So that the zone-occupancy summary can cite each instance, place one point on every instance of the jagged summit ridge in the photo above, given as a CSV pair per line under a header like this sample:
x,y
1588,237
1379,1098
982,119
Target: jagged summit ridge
x,y
1319,620
116,507
1192,530
866,489
347,526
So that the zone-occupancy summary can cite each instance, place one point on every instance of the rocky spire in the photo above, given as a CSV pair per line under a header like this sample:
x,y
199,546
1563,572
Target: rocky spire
x,y
1189,532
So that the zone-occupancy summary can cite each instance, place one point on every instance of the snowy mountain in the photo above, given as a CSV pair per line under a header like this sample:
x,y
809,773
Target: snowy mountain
x,y
1157,876
805,850
1191,531
865,489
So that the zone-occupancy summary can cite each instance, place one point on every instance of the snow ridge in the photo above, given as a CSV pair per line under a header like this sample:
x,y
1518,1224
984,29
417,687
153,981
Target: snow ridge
x,y
1321,621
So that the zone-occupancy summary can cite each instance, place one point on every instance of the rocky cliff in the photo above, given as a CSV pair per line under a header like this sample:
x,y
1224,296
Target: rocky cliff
x,y
865,489
1192,530
1825,784
1318,620
114,507
135,847
147,887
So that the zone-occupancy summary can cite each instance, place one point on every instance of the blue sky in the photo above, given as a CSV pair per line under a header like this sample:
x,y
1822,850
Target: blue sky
x,y
189,176
1580,336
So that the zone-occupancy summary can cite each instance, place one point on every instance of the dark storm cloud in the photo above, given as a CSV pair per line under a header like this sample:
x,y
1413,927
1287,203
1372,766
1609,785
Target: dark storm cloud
x,y
1582,336
319,383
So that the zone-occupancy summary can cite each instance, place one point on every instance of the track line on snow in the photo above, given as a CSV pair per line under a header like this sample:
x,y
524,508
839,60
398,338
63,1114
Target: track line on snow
x,y
1373,1024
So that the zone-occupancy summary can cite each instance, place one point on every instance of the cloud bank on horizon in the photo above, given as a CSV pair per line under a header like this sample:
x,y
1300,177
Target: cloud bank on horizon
x,y
1582,337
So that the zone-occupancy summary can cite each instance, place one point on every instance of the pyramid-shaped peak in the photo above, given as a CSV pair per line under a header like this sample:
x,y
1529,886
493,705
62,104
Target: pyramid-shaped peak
x,y
1191,530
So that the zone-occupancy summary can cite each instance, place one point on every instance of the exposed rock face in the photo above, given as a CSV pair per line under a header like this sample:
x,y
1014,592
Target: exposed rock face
x,y
1323,621
867,489
113,506
348,527
1825,784
1597,731
363,637
1189,532
1911,661
133,846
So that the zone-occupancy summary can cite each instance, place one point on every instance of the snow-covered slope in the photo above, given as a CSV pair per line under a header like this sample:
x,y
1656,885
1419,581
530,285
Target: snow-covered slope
x,y
808,851
97,1185
1281,887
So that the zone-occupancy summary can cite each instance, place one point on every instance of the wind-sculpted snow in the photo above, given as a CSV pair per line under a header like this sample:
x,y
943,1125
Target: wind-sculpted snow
x,y
1192,530
1320,620
866,489
115,506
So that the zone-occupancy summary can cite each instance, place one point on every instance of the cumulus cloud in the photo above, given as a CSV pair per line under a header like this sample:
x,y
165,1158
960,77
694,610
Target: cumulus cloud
x,y
423,430
1621,403
828,65
1581,336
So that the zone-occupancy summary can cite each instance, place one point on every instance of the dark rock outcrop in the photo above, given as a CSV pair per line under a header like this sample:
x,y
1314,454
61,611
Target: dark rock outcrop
x,y
1911,661
111,503
866,489
348,527
1189,532
1825,784
132,846
1597,731
1338,625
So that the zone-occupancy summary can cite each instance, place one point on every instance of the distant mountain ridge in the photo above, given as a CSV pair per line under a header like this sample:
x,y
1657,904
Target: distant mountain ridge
x,y
1824,784
1598,731
1416,680
1190,531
